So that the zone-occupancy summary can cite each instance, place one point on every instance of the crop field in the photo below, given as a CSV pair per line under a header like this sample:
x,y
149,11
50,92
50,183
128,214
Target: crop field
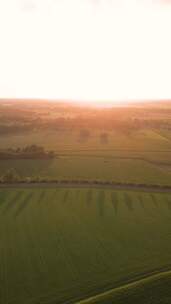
x,y
143,140
91,168
64,245
142,157
154,289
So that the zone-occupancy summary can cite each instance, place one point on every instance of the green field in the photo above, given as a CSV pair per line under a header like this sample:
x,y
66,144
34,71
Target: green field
x,y
142,140
142,157
91,168
64,245
154,289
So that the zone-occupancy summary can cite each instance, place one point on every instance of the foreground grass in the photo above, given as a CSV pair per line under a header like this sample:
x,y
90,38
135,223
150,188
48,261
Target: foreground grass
x,y
64,245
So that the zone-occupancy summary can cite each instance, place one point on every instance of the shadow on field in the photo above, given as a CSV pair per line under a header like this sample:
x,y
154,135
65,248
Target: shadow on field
x,y
154,200
114,199
3,197
23,204
12,202
128,201
55,196
169,204
141,202
66,195
89,197
77,193
101,201
41,197
52,197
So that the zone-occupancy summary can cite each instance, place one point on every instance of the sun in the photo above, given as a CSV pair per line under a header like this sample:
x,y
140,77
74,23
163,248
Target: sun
x,y
76,50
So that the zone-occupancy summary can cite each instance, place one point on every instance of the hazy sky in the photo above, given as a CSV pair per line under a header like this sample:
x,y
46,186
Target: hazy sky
x,y
85,49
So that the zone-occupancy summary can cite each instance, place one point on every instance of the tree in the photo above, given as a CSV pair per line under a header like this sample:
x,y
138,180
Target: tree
x,y
11,176
51,154
84,134
33,149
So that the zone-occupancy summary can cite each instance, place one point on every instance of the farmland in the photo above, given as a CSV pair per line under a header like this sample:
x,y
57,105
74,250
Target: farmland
x,y
85,204
123,145
152,288
91,168
64,245
147,161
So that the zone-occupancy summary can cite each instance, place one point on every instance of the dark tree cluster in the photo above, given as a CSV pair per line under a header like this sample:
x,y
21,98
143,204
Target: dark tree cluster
x,y
28,152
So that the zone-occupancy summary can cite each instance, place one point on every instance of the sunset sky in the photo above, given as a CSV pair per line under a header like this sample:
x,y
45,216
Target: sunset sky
x,y
101,50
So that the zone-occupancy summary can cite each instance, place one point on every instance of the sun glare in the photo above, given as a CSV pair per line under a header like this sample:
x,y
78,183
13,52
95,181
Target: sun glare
x,y
85,50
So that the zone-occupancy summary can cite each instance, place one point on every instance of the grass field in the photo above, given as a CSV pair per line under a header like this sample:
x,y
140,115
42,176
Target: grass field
x,y
143,140
91,168
153,289
64,245
142,157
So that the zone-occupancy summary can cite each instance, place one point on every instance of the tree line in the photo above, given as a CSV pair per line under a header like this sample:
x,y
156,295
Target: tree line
x,y
28,152
12,176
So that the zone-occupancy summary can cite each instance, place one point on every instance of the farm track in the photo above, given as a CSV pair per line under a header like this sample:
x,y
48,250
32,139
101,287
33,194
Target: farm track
x,y
137,280
108,290
84,184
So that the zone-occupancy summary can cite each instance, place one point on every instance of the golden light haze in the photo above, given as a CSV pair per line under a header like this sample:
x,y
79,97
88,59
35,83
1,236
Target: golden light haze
x,y
85,50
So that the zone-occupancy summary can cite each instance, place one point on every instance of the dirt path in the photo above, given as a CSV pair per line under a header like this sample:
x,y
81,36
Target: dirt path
x,y
137,280
84,184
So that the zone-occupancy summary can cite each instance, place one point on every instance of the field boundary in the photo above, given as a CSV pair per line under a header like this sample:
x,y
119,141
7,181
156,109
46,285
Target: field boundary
x,y
156,274
138,158
87,184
